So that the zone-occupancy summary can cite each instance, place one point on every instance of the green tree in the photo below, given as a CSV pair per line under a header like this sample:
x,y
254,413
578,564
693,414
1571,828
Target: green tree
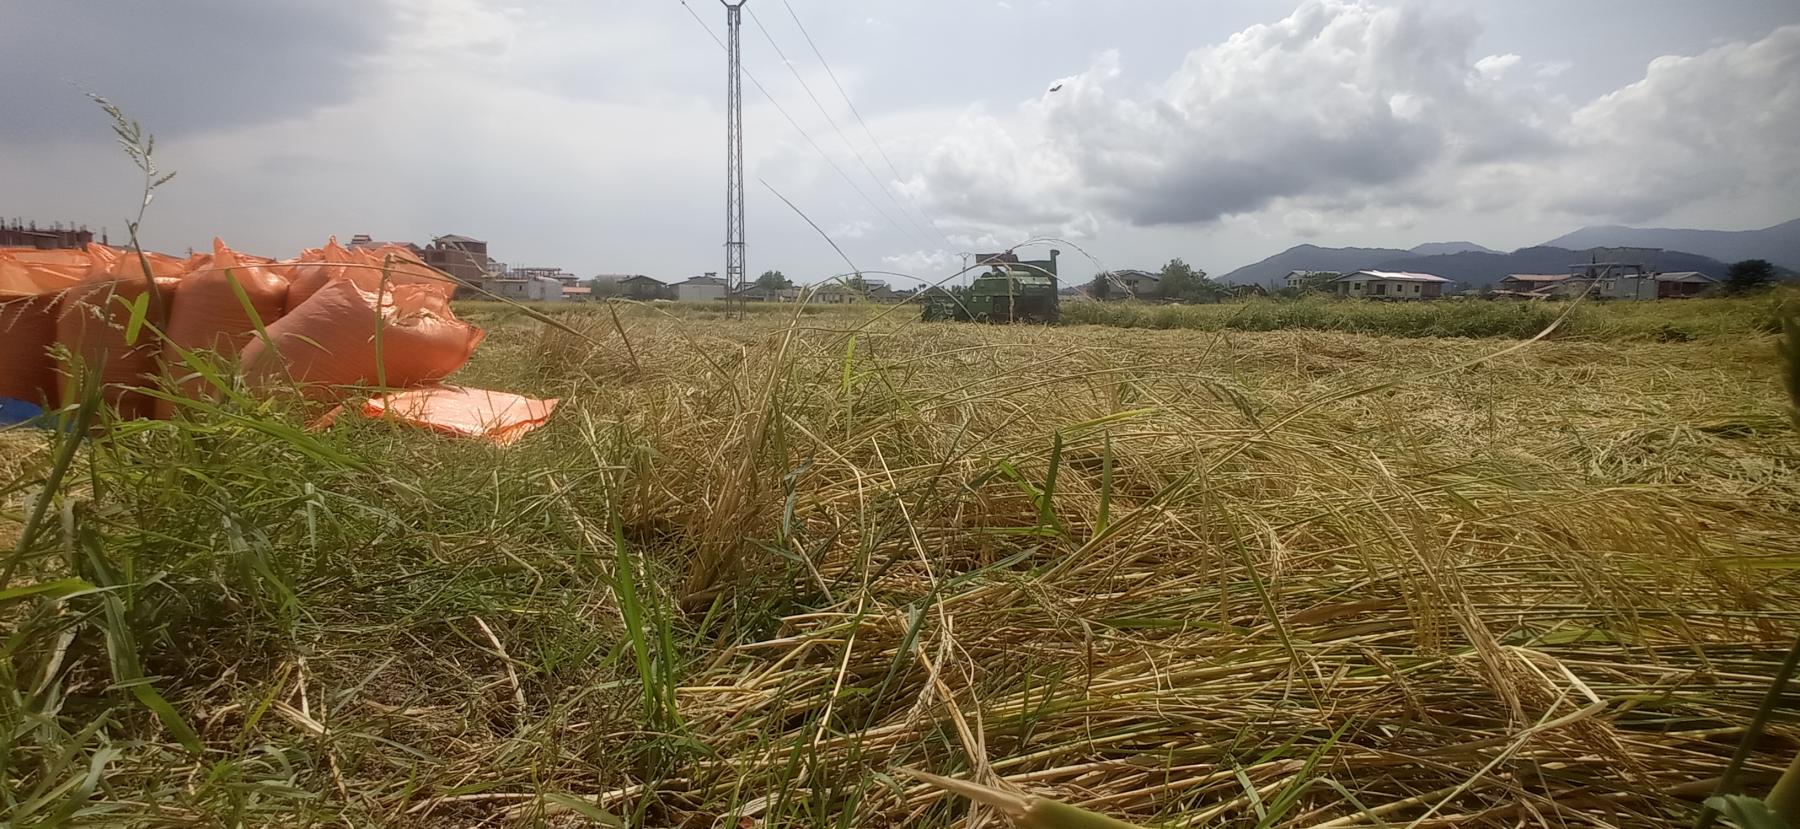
x,y
1182,282
1317,280
1177,278
857,283
1749,275
1101,287
773,280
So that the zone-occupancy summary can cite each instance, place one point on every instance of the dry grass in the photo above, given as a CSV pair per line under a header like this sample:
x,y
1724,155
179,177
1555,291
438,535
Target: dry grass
x,y
770,561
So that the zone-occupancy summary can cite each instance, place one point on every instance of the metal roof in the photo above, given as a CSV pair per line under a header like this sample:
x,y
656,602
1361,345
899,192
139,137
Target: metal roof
x,y
1537,277
1398,276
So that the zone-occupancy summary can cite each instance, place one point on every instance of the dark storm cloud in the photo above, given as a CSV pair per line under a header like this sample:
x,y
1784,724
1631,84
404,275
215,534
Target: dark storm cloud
x,y
183,66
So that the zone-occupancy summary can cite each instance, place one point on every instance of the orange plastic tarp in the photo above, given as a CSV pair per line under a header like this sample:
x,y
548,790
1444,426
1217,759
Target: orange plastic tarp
x,y
495,416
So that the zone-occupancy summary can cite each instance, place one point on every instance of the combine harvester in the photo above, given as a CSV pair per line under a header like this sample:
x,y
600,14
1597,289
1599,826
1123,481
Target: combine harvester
x,y
1012,290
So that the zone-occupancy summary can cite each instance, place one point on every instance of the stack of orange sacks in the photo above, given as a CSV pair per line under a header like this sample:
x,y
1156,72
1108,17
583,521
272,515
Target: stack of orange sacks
x,y
327,315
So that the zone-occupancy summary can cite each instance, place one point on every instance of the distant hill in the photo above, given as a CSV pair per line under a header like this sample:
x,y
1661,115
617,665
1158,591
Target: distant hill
x,y
1444,248
1475,267
1311,258
1479,270
1779,244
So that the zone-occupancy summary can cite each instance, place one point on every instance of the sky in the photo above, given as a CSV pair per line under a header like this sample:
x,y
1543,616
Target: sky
x,y
589,134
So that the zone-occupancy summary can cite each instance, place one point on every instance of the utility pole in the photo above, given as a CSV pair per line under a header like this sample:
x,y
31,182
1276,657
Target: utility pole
x,y
734,159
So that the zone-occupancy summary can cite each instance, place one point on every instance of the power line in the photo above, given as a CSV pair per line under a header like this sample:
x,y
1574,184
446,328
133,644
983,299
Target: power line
x,y
796,124
859,119
834,126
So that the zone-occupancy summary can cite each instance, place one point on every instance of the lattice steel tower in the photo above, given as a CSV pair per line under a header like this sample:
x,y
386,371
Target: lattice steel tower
x,y
734,157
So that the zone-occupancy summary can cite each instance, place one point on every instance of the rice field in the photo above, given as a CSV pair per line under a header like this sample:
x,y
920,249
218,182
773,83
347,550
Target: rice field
x,y
755,570
1459,317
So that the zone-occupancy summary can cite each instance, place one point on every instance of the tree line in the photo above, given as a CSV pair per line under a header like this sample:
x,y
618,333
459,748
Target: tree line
x,y
1176,282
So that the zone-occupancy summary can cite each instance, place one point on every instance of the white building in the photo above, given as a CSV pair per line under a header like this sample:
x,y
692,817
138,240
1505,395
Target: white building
x,y
1675,285
1300,279
1133,283
524,289
1388,285
708,288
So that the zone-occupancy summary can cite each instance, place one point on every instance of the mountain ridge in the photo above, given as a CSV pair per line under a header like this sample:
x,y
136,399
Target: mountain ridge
x,y
1475,269
1444,248
1779,244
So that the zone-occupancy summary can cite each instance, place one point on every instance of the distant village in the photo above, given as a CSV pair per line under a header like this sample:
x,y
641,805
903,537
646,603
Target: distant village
x,y
1622,276
1627,280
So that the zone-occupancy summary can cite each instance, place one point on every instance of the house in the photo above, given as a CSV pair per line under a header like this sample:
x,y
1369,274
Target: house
x,y
760,293
637,286
839,292
460,256
362,241
706,288
1676,285
577,292
1388,285
1525,283
836,292
523,289
557,274
1131,283
1305,279
880,293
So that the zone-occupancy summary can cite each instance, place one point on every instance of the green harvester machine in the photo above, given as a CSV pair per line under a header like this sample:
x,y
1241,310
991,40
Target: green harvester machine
x,y
1012,290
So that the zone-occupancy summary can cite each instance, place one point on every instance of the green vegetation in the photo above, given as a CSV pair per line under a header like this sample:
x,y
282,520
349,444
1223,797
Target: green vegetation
x,y
1185,283
1749,276
1291,578
1671,320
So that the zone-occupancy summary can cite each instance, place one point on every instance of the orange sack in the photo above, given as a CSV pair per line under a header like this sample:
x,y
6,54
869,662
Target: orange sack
x,y
329,340
91,322
29,293
27,330
68,264
320,270
495,416
366,269
207,312
109,263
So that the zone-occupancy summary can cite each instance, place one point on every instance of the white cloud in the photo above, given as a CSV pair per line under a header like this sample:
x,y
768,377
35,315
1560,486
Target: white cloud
x,y
1718,124
1553,68
1345,106
1338,97
928,265
1493,67
853,229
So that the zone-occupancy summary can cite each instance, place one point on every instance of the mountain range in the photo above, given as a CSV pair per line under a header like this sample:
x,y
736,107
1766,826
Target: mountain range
x,y
1706,251
1779,244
